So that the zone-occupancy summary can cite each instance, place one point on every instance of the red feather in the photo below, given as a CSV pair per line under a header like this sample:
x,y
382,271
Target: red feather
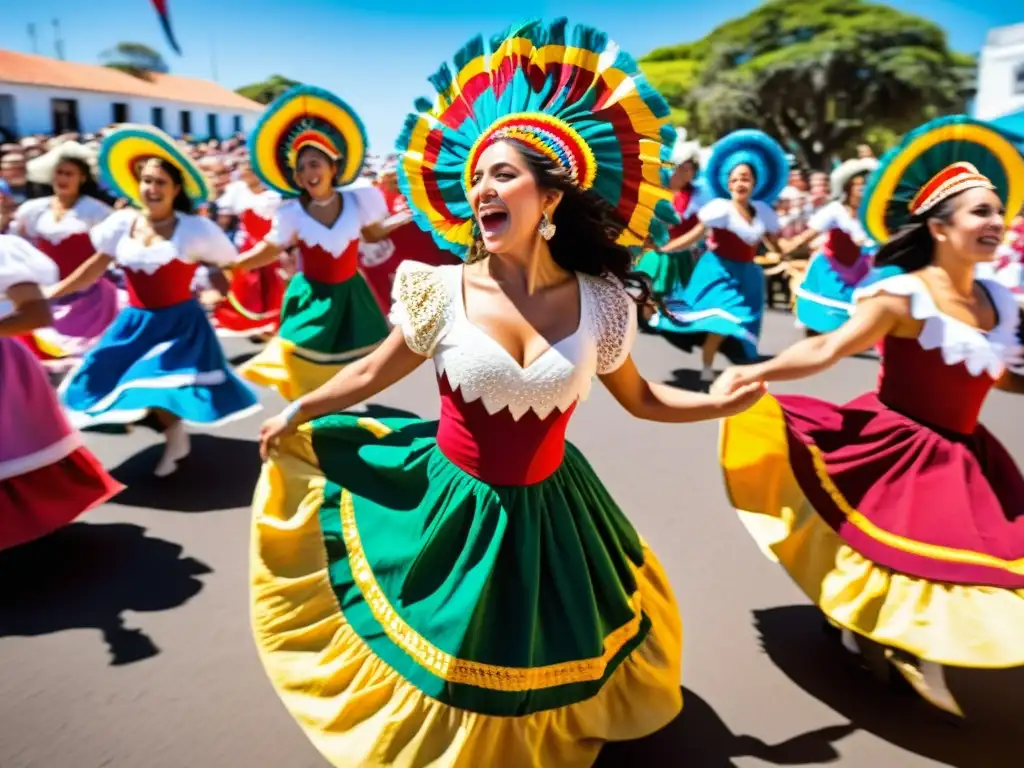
x,y
165,21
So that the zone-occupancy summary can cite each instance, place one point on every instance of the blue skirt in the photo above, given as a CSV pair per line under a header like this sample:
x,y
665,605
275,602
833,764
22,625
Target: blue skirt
x,y
156,358
824,300
723,297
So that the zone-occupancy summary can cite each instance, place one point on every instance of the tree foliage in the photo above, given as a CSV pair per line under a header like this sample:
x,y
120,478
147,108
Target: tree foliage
x,y
819,75
134,58
267,90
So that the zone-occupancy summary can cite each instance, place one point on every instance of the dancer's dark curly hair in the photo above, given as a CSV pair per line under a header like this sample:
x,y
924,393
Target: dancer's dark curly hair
x,y
586,228
912,247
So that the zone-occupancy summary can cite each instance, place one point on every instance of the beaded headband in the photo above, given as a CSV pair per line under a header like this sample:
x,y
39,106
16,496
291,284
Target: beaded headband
x,y
948,182
552,137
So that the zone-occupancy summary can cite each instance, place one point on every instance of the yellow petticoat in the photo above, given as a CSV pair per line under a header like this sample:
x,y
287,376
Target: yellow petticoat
x,y
278,367
360,713
950,624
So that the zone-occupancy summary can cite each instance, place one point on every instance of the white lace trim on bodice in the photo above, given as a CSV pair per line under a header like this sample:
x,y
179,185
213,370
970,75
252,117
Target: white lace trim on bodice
x,y
428,306
36,219
722,214
990,352
362,206
195,240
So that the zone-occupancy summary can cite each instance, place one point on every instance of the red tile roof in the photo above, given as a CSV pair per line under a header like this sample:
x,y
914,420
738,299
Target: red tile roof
x,y
29,69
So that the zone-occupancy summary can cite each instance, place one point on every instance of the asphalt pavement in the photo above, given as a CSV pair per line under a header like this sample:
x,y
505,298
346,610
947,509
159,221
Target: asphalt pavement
x,y
125,643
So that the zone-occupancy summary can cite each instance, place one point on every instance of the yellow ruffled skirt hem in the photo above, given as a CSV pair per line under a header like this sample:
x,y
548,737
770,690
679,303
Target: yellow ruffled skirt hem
x,y
950,624
360,713
278,367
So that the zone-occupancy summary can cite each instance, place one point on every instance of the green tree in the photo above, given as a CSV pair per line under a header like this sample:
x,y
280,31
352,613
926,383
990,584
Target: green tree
x,y
134,58
266,91
818,75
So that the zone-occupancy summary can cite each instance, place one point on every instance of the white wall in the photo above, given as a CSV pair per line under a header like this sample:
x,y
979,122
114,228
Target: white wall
x,y
1000,92
33,112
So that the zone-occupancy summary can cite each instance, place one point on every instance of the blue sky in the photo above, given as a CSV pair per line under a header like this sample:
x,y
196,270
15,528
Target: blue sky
x,y
376,54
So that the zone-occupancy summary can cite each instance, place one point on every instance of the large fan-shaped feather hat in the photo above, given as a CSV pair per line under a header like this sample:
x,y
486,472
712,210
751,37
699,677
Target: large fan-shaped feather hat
x,y
569,93
306,116
931,163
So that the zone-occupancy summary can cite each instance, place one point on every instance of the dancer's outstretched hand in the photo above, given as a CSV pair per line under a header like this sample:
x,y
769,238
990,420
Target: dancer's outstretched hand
x,y
272,429
732,378
740,398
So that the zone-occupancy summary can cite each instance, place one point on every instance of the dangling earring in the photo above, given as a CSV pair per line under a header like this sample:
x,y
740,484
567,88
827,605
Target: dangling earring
x,y
546,228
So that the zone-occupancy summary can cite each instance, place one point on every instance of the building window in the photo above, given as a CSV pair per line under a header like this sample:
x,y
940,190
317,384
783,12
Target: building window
x,y
1018,80
211,126
236,124
186,122
8,123
119,112
158,117
65,116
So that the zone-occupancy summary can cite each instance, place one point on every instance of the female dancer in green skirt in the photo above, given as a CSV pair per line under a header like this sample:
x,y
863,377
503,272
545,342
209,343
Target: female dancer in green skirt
x,y
466,592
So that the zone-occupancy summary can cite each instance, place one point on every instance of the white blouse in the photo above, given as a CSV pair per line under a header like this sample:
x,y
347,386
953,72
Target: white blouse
x,y
722,214
362,206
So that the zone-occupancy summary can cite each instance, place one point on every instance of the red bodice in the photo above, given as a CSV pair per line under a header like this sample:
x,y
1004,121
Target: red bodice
x,y
726,244
840,247
254,226
681,202
169,285
497,448
69,253
919,384
321,266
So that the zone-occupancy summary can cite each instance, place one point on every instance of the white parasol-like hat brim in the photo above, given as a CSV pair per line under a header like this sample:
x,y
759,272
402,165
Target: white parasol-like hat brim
x,y
842,175
40,170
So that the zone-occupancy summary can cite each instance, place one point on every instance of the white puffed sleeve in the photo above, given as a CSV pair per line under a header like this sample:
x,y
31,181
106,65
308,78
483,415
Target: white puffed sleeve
x,y
371,204
21,262
28,214
108,233
421,305
206,242
716,214
285,227
613,322
767,216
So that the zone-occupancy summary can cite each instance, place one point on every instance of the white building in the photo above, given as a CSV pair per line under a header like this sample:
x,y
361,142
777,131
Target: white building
x,y
1001,73
39,95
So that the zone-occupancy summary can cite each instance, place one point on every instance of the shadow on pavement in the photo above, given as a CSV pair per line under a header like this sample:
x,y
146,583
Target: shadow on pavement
x,y
242,358
794,640
699,737
85,576
219,473
686,378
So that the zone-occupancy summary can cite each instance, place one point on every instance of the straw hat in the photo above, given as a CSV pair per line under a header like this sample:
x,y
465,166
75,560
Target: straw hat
x,y
40,170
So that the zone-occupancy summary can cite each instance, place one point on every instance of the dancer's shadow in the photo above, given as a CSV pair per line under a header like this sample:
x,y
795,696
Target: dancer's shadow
x,y
699,737
242,358
792,637
85,576
219,473
686,378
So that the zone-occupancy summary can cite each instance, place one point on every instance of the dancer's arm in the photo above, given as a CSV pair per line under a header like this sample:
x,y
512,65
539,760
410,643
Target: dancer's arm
x,y
659,402
1011,382
258,256
874,319
685,241
795,244
381,230
391,362
87,273
31,310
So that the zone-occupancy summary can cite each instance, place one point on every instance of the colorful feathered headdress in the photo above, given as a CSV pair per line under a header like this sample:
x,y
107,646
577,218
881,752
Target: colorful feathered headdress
x,y
570,94
306,116
756,149
125,147
941,158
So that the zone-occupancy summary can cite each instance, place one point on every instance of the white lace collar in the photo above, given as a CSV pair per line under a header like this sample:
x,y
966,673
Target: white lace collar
x,y
722,214
980,351
335,239
840,218
149,259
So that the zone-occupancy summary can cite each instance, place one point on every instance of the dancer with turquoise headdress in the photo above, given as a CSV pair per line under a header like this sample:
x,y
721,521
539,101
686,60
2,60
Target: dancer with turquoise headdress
x,y
161,355
466,592
898,513
722,305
